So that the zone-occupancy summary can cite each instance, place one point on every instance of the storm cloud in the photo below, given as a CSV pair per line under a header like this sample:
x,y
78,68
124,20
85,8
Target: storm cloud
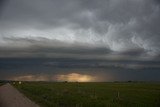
x,y
118,26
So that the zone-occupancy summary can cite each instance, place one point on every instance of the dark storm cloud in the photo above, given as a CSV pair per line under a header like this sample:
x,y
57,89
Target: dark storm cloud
x,y
2,5
43,47
125,27
47,68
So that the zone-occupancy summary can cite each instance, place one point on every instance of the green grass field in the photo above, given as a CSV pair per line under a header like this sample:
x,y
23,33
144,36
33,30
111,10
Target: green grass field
x,y
1,84
92,94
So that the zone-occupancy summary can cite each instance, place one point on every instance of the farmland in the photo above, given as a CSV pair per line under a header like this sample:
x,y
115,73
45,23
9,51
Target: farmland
x,y
1,83
74,94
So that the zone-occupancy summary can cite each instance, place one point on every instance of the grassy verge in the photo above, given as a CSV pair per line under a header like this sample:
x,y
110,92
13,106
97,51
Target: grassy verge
x,y
1,83
92,94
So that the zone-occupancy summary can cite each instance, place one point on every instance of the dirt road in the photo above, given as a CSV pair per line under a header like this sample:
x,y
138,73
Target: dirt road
x,y
11,97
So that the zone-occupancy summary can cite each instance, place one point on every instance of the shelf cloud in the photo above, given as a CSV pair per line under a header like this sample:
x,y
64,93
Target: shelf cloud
x,y
118,26
113,30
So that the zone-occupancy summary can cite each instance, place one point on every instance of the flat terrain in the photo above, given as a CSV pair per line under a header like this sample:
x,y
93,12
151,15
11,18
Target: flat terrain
x,y
1,83
92,94
11,97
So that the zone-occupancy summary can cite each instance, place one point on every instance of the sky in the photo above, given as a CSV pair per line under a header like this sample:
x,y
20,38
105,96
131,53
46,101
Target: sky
x,y
80,40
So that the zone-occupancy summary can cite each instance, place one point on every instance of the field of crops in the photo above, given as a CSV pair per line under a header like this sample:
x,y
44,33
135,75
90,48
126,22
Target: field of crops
x,y
92,94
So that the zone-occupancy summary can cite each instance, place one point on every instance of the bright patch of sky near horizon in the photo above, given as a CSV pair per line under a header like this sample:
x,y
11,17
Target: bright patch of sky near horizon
x,y
124,31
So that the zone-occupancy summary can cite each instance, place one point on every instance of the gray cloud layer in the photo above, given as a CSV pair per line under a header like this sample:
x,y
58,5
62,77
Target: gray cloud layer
x,y
78,28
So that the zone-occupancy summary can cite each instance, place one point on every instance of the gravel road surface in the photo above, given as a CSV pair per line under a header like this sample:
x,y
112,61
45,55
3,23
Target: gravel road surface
x,y
11,97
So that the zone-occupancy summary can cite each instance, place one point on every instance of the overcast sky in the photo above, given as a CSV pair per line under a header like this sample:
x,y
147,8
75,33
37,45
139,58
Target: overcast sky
x,y
81,29
109,25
